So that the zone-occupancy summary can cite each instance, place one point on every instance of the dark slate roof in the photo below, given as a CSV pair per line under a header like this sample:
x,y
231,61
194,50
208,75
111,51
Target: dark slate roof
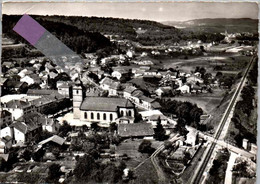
x,y
4,113
104,104
41,92
15,84
130,89
135,130
156,105
20,126
17,104
146,99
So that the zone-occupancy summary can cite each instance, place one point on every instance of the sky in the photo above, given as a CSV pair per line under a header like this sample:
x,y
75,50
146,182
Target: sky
x,y
156,11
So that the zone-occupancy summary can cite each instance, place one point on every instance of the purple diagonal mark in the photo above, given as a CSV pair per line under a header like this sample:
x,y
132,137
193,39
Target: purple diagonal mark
x,y
29,29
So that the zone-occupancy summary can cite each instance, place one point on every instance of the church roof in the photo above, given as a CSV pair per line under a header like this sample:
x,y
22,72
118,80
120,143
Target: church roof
x,y
104,104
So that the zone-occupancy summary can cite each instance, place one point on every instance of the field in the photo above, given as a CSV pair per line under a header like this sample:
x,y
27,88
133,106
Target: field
x,y
207,102
130,147
214,62
146,174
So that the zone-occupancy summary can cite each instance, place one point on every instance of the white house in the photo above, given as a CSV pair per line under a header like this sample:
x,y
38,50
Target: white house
x,y
50,125
184,89
110,85
192,136
20,130
152,117
18,108
27,79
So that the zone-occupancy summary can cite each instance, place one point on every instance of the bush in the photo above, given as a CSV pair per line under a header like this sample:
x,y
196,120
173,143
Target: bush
x,y
146,147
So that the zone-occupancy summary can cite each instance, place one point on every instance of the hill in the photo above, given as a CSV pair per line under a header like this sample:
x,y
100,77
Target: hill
x,y
144,31
217,25
78,40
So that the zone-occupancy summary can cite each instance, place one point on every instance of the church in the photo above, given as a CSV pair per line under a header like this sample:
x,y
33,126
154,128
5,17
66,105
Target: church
x,y
101,110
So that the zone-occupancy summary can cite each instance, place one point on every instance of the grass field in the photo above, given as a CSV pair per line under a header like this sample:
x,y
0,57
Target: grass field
x,y
145,174
130,147
229,62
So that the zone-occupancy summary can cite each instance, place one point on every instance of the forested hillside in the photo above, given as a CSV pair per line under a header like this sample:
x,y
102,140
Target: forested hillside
x,y
77,39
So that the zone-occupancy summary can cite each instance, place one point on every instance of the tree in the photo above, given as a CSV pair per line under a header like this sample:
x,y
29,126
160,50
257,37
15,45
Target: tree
x,y
146,147
180,127
159,131
64,129
85,166
219,75
54,173
113,127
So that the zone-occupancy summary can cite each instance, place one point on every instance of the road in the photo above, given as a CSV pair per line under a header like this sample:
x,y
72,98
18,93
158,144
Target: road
x,y
230,147
197,178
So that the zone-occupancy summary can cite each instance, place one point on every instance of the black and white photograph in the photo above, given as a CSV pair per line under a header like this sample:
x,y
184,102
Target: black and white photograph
x,y
129,92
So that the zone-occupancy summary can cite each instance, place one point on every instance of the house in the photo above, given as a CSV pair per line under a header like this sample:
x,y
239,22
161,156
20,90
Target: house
x,y
18,108
194,79
3,85
163,91
136,130
8,64
120,73
25,72
5,118
148,103
192,136
47,124
25,132
104,110
184,89
129,89
110,85
17,86
28,80
152,117
152,72
65,89
50,125
53,139
5,144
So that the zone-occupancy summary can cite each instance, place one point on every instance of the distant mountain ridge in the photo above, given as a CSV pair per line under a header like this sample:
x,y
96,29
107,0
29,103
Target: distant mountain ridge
x,y
217,25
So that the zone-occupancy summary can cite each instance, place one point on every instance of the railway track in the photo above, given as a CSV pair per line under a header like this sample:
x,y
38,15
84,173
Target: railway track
x,y
222,124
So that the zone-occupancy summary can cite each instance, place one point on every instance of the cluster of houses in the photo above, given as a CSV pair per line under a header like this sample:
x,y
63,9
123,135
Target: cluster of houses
x,y
23,117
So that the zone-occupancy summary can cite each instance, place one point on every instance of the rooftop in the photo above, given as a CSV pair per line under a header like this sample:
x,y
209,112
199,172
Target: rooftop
x,y
17,104
135,130
104,104
57,139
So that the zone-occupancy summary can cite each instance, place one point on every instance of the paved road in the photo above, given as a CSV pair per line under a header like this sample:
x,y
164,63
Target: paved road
x,y
197,178
230,147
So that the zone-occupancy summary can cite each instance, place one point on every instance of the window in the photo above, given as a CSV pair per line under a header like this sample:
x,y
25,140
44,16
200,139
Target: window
x,y
104,116
77,92
130,113
86,115
111,117
92,115
122,113
98,116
